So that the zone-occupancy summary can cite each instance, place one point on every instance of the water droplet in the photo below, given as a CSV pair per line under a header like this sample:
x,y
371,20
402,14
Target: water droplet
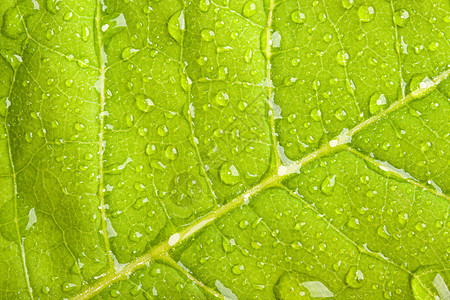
x,y
229,174
249,9
347,4
342,58
327,37
420,81
366,13
79,127
128,52
377,103
383,232
171,152
204,5
150,149
68,16
223,73
69,287
294,285
222,98
162,130
228,245
238,269
354,278
248,55
140,203
139,187
401,17
340,114
52,7
176,25
114,293
420,226
134,236
207,35
144,103
328,184
354,223
12,23
430,282
297,16
316,114
85,33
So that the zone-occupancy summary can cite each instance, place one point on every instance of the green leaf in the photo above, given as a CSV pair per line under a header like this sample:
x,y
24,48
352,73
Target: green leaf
x,y
226,149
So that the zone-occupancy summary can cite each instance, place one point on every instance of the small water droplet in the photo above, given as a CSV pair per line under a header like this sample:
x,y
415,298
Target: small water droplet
x,y
69,287
176,25
162,130
248,55
354,223
340,114
222,98
401,17
128,52
229,174
328,184
144,103
249,9
366,13
342,58
238,269
347,4
171,152
293,285
383,232
207,35
354,277
204,5
316,114
298,17
377,103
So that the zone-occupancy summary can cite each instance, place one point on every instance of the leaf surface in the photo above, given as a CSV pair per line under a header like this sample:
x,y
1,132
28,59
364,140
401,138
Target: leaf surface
x,y
231,149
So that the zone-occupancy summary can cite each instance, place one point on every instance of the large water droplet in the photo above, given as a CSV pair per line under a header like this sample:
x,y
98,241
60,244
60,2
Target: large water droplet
x,y
143,103
128,52
354,277
347,4
328,184
293,286
377,103
316,114
222,98
401,17
366,13
229,174
204,5
176,25
249,9
298,17
207,35
431,282
342,58
238,269
52,6
171,152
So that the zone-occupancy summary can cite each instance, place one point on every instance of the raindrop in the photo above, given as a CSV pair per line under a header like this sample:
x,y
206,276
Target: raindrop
x,y
171,152
401,17
294,285
347,4
249,9
354,277
366,13
162,130
128,52
297,16
229,174
204,5
316,114
176,25
377,103
340,114
222,98
207,35
342,58
144,103
328,184
238,269
248,55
